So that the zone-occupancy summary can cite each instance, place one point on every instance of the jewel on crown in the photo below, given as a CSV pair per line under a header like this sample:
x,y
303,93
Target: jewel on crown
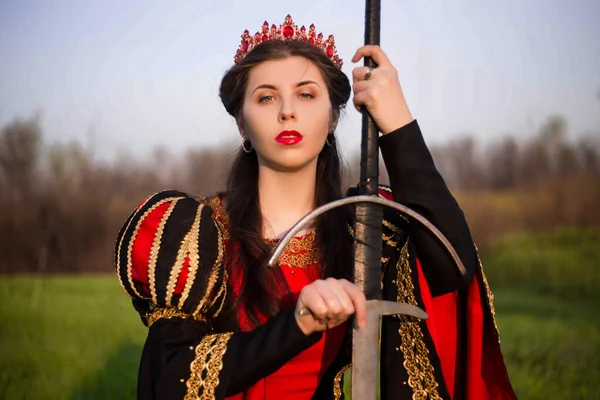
x,y
287,31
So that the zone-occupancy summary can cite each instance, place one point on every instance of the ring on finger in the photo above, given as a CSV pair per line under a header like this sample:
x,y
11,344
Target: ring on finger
x,y
369,73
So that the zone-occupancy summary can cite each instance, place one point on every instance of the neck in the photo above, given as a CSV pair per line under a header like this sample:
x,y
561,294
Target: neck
x,y
285,197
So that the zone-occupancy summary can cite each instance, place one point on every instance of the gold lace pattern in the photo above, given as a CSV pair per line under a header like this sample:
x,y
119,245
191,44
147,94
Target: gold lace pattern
x,y
208,362
337,382
421,377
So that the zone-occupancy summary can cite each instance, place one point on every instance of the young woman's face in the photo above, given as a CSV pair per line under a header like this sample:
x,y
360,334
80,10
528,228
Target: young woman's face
x,y
287,113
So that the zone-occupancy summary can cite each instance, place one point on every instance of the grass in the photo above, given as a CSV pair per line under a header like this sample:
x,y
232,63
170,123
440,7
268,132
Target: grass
x,y
562,263
79,337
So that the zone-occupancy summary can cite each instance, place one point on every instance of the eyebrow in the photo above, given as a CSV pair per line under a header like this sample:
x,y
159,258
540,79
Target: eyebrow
x,y
266,86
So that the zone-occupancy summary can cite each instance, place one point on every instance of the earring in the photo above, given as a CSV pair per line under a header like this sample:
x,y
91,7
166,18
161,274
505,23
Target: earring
x,y
330,143
248,151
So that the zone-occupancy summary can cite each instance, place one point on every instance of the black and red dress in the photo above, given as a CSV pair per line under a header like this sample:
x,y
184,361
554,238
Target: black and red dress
x,y
175,259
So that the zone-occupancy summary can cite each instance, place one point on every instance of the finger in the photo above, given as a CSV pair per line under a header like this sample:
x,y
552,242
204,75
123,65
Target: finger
x,y
334,306
361,99
359,73
343,298
360,86
359,301
373,51
314,302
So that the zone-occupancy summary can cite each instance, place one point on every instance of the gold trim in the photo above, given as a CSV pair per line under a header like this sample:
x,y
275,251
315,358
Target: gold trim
x,y
300,252
133,238
209,357
155,249
223,291
392,227
388,240
182,253
219,262
212,280
385,188
193,255
219,214
337,382
118,255
168,313
490,295
421,377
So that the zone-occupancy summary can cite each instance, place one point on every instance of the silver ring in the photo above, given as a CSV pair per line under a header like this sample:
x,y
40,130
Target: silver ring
x,y
304,311
369,73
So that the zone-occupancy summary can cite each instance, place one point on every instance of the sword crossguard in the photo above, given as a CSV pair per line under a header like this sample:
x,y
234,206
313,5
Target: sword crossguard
x,y
377,308
384,307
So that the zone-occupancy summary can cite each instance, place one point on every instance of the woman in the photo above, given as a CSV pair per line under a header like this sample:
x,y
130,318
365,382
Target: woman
x,y
223,325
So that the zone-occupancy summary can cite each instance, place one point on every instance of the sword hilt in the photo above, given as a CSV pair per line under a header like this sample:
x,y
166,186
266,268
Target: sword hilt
x,y
377,308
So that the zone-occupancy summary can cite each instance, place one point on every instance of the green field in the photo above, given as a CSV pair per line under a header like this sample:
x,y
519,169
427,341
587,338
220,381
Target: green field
x,y
79,338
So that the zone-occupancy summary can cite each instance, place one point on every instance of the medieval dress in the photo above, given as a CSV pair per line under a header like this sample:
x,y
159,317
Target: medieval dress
x,y
175,259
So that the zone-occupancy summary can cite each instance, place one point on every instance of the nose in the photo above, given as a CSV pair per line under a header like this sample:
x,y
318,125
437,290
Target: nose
x,y
286,112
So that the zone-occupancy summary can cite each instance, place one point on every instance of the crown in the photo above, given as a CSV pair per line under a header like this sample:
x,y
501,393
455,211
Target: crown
x,y
288,31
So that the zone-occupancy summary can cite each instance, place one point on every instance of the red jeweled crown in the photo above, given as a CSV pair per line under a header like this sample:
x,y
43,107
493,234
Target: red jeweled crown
x,y
287,31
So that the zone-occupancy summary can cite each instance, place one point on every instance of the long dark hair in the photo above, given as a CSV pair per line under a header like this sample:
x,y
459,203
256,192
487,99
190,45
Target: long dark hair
x,y
242,201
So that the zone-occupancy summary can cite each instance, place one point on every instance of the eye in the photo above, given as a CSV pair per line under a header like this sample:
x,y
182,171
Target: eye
x,y
306,96
266,99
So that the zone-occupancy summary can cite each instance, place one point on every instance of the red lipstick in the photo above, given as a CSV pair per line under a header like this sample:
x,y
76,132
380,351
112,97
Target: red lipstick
x,y
289,138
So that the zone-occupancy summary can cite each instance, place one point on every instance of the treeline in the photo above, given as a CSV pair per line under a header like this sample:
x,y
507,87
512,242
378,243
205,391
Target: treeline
x,y
61,209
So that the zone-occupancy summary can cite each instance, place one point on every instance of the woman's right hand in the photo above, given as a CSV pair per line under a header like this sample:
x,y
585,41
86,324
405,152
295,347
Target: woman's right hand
x,y
330,303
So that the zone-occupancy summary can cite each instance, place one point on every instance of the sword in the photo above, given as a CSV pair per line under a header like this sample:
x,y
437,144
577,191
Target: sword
x,y
367,247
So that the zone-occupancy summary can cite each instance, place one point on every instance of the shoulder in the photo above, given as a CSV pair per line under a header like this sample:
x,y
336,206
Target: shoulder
x,y
167,246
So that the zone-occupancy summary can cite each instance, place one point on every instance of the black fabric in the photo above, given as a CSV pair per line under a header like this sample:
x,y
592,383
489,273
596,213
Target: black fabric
x,y
208,250
175,229
417,184
126,233
250,356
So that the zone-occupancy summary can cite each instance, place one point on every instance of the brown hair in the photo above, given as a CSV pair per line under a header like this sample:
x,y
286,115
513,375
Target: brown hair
x,y
332,235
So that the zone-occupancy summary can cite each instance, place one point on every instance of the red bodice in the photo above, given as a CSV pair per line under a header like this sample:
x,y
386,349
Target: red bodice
x,y
299,377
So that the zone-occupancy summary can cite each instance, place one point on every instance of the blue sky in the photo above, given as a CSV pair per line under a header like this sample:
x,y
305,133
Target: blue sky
x,y
141,74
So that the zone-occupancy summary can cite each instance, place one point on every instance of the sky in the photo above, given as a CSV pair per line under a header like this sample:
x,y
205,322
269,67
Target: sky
x,y
123,77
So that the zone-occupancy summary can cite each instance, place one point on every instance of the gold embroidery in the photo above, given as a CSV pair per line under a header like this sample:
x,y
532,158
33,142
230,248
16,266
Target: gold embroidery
x,y
133,237
385,188
337,382
193,255
212,280
223,291
209,357
155,249
224,282
184,250
392,227
490,295
168,313
421,378
118,251
219,214
388,240
300,251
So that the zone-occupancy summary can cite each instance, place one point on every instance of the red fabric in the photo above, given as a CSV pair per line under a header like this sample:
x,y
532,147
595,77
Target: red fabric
x,y
485,376
299,377
140,254
142,245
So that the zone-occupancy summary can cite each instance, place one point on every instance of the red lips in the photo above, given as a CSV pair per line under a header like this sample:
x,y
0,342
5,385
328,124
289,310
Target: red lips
x,y
289,138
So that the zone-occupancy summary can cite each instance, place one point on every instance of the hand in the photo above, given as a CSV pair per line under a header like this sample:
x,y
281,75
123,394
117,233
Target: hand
x,y
331,302
381,94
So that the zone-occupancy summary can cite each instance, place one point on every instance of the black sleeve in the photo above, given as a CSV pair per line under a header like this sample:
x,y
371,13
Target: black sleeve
x,y
180,360
417,184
